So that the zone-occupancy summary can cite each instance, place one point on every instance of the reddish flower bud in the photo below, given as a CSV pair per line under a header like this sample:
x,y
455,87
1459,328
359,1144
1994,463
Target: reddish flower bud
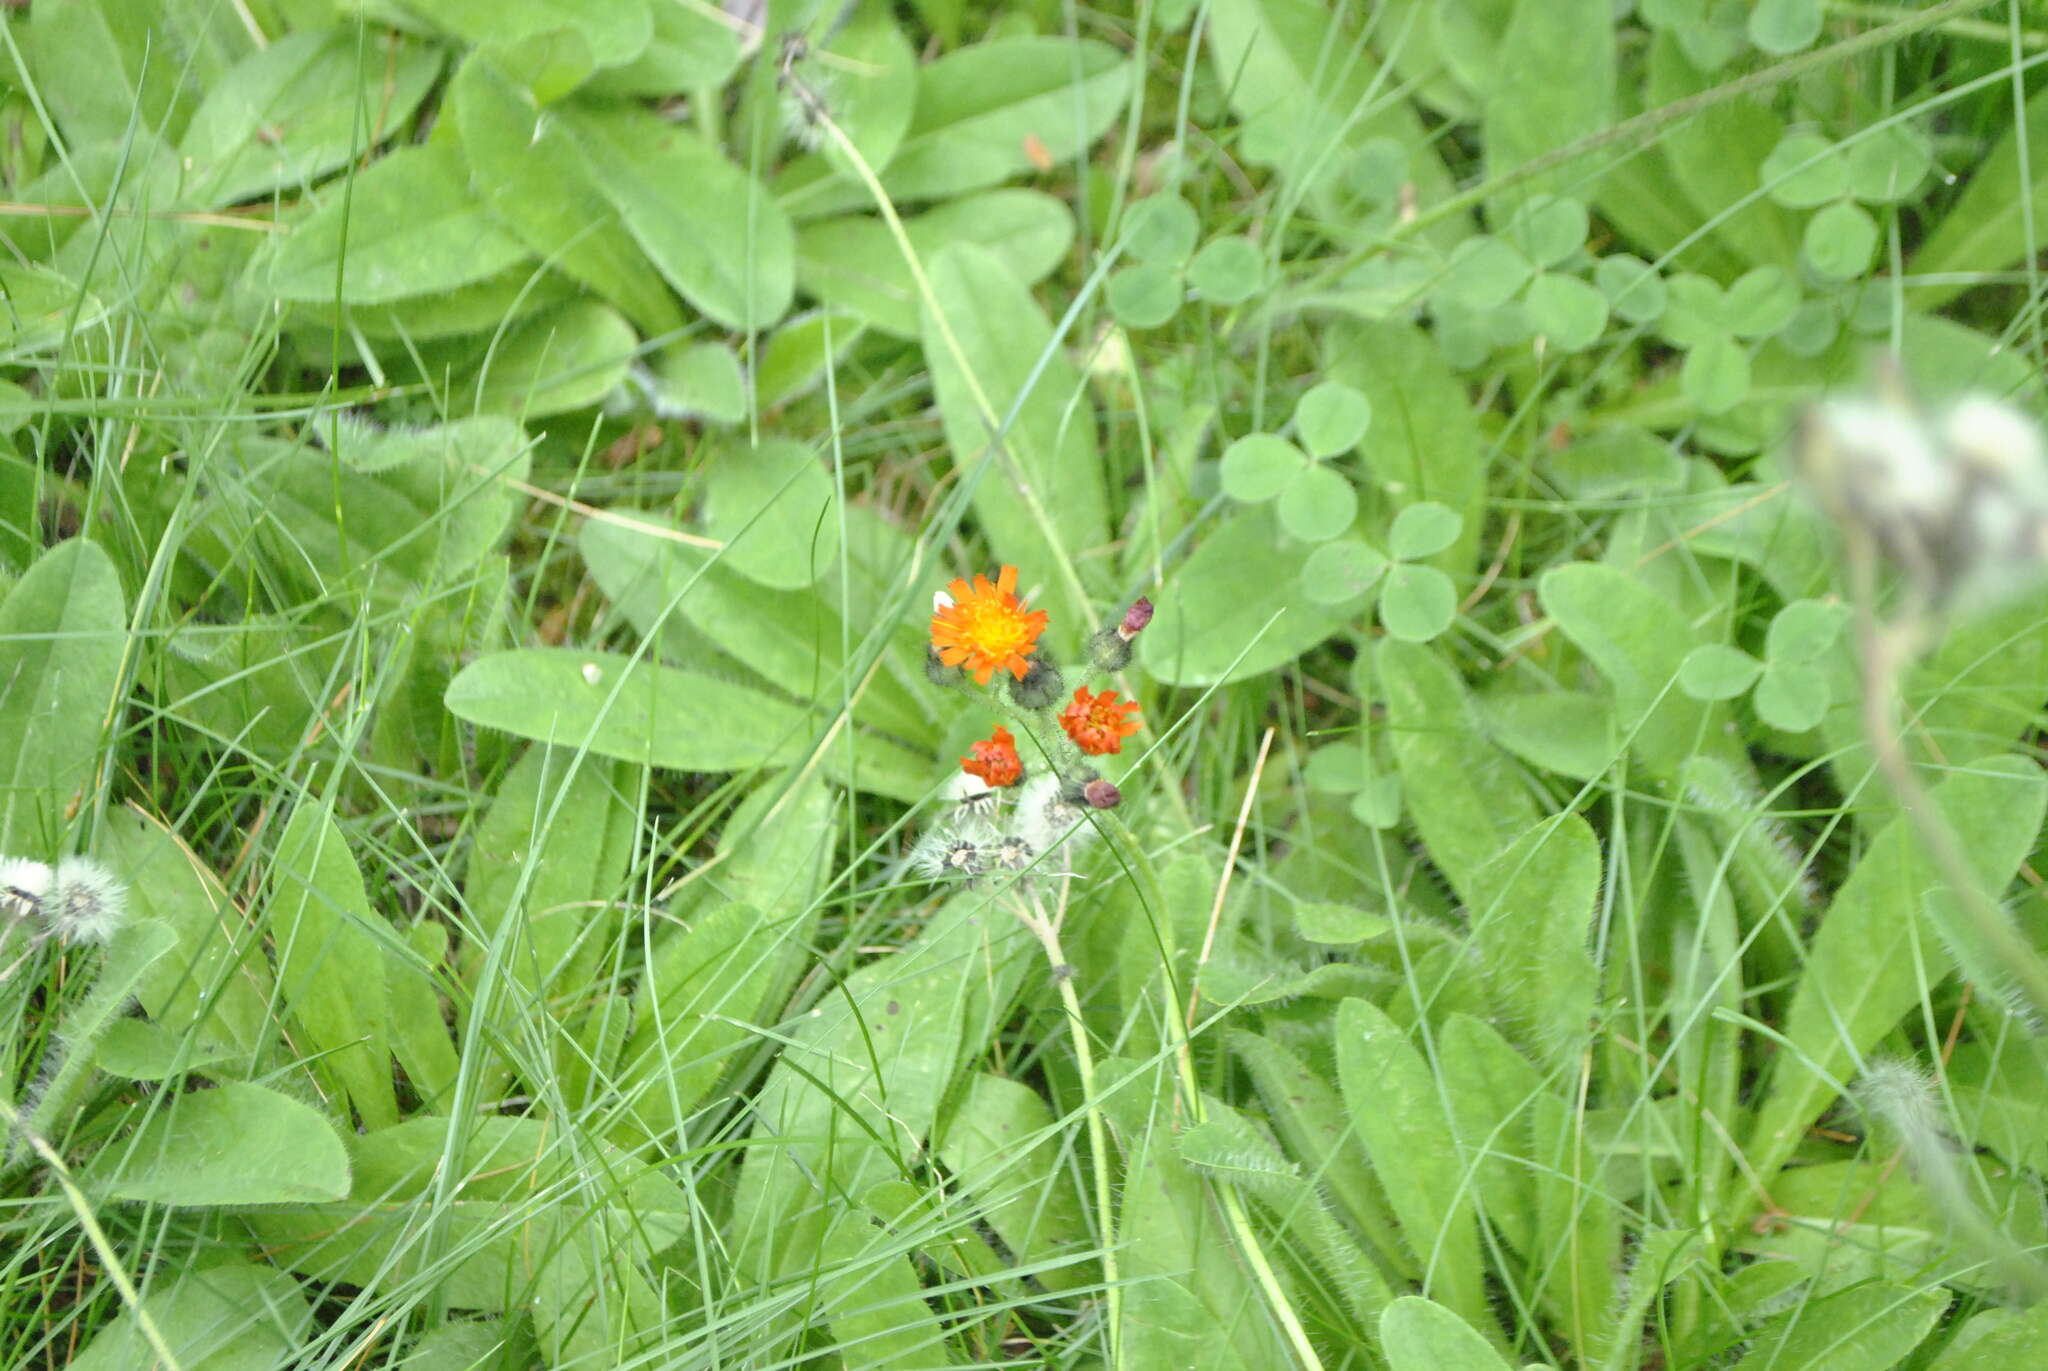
x,y
1100,794
1135,619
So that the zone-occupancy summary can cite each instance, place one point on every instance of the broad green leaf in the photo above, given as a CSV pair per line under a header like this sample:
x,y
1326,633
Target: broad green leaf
x,y
1761,303
1547,228
1331,418
1002,1146
1782,27
234,1145
1228,270
702,380
233,1316
1571,314
1306,92
1532,929
1160,228
537,177
545,869
1716,374
1424,443
1805,170
1485,272
1632,287
1230,1149
773,507
705,224
407,226
1398,1113
854,262
1993,222
688,49
1339,572
1421,1335
301,108
979,109
661,716
1144,296
102,64
983,113
1190,1303
1308,1116
1996,1340
615,32
1417,603
1467,802
1639,642
1233,610
1567,731
1258,466
1492,1091
1038,484
1716,671
1317,504
397,512
502,299
1554,84
330,964
868,77
413,976
1793,696
63,630
567,358
1873,1325
1887,165
503,1195
1840,241
1717,158
859,1085
792,638
1869,964
215,985
1423,530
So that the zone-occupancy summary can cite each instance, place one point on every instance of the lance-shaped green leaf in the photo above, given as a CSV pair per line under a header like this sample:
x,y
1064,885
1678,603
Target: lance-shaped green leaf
x,y
330,964
1872,962
63,629
238,1144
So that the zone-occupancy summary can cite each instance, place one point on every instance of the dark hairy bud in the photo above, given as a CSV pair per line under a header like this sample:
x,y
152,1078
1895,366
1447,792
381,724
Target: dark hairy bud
x,y
1041,686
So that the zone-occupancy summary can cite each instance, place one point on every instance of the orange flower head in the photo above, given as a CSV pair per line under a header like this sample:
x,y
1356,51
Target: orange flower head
x,y
995,759
987,627
1097,723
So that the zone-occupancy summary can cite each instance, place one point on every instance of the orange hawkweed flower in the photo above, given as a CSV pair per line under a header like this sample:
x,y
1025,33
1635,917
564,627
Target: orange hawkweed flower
x,y
1097,723
987,627
995,759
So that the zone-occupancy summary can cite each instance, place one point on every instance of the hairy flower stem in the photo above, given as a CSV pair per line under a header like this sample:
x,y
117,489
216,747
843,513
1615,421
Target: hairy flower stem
x,y
83,1027
1047,931
1887,651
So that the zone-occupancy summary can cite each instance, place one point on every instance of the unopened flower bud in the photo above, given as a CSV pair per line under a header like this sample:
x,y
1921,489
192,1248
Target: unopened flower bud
x,y
1100,794
1135,619
1040,685
1109,650
939,673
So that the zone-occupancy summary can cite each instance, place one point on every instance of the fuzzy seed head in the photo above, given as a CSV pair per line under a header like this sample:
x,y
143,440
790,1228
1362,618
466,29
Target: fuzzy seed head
x,y
24,885
87,903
